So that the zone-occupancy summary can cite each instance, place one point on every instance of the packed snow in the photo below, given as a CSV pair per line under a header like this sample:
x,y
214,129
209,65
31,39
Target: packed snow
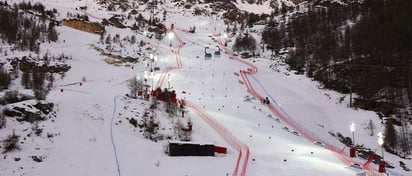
x,y
93,136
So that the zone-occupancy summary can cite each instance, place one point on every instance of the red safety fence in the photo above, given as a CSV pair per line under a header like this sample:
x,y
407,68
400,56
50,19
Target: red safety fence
x,y
304,133
162,77
178,62
181,43
220,129
226,135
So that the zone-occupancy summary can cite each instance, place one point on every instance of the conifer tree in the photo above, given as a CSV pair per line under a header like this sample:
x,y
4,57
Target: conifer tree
x,y
391,137
5,79
52,33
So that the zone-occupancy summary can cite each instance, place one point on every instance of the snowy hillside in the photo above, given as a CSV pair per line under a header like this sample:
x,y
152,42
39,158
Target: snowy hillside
x,y
91,131
265,7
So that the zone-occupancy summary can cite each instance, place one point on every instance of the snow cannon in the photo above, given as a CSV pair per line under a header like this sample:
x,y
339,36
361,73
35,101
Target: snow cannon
x,y
208,55
217,52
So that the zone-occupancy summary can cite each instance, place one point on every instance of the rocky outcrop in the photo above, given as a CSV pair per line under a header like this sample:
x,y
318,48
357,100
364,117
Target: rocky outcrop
x,y
30,113
296,2
84,26
28,65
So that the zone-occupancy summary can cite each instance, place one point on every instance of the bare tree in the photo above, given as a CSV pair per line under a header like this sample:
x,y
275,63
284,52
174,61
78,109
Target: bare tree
x,y
171,107
150,124
11,143
391,136
135,85
404,136
245,42
39,90
26,80
154,104
5,79
185,129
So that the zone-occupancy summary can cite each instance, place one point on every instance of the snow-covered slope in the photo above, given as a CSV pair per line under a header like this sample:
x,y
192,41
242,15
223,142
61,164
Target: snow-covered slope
x,y
95,138
265,7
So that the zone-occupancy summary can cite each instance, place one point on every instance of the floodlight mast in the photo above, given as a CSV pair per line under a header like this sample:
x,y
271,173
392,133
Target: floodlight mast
x,y
170,36
168,81
380,142
352,129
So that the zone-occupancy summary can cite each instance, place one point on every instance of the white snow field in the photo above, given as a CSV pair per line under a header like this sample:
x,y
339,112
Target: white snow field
x,y
95,138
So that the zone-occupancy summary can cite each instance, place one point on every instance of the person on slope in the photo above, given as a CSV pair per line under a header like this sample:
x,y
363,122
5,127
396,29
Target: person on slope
x,y
266,101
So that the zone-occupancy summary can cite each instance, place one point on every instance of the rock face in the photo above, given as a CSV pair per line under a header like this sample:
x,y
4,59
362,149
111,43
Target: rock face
x,y
84,26
296,2
27,65
30,113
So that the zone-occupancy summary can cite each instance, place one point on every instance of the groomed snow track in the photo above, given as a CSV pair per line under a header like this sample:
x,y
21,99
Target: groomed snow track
x,y
277,111
244,153
226,135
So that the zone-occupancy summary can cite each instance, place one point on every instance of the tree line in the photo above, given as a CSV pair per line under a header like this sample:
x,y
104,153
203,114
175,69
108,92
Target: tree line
x,y
25,30
360,47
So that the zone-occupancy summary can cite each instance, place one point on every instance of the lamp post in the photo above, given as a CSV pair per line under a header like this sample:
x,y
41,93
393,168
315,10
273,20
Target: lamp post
x,y
382,163
350,92
168,81
218,25
146,65
152,76
151,62
155,60
145,75
225,37
170,36
352,129
138,77
138,86
146,91
352,152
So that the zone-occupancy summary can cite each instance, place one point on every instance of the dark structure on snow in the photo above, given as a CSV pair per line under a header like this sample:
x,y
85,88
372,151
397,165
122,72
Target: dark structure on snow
x,y
179,148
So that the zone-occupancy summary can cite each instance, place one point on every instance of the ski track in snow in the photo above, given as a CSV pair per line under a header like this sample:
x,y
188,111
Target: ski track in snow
x,y
282,114
241,167
232,140
111,134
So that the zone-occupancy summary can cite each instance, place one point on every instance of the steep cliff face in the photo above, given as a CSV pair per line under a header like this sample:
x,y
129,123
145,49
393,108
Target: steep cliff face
x,y
84,26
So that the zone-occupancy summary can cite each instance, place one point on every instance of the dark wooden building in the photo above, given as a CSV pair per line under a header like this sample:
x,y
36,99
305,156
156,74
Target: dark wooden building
x,y
180,148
